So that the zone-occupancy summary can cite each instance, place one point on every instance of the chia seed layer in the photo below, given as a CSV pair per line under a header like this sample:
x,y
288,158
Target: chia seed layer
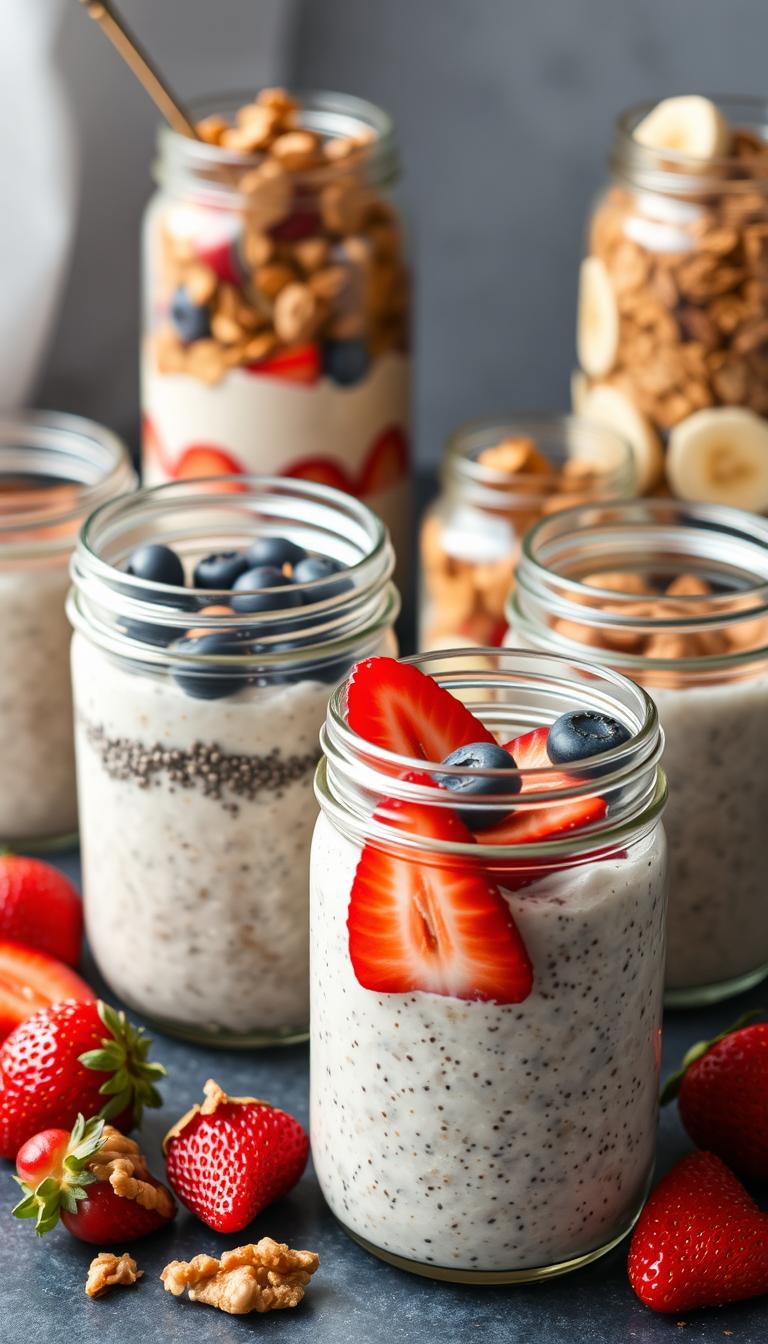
x,y
715,754
38,797
196,821
476,1136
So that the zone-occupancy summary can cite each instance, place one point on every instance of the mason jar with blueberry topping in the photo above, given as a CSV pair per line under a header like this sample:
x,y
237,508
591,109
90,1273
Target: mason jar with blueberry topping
x,y
277,299
212,621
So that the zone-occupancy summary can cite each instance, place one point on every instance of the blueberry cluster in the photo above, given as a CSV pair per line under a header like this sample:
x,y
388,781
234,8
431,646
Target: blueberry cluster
x,y
268,577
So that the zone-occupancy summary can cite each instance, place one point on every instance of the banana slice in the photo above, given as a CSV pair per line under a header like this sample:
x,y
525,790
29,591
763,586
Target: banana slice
x,y
721,456
691,125
597,328
606,405
579,390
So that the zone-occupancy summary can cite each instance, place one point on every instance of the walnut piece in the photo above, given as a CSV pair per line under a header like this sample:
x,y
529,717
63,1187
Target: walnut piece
x,y
121,1162
266,1276
107,1271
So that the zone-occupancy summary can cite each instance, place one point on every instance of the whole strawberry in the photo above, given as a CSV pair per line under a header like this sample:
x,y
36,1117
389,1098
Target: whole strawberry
x,y
94,1180
231,1157
40,907
72,1058
722,1092
701,1240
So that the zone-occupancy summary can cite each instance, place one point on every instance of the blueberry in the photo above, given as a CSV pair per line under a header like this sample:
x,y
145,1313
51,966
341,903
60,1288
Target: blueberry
x,y
214,683
345,362
191,320
221,570
584,733
281,593
276,551
481,756
320,567
156,564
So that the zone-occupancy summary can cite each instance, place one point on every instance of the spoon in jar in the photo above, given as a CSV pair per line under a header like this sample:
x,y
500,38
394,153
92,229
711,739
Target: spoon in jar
x,y
134,55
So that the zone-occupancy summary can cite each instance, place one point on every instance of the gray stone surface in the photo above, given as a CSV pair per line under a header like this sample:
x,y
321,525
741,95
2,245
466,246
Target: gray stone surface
x,y
355,1299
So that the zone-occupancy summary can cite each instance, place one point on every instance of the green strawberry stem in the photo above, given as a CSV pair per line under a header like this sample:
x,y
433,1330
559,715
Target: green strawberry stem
x,y
124,1055
696,1052
46,1201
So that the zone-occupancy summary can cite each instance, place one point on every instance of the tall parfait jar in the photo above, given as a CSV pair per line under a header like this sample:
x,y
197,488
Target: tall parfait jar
x,y
276,300
197,719
458,1132
54,469
672,334
675,596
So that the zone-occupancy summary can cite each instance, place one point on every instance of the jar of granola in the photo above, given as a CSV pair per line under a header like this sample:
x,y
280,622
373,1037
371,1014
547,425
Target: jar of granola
x,y
276,300
673,309
676,596
486,977
210,628
53,470
498,477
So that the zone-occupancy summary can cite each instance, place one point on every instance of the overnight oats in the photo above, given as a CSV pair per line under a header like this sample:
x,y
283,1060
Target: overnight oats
x,y
54,469
498,478
487,925
210,630
276,300
676,597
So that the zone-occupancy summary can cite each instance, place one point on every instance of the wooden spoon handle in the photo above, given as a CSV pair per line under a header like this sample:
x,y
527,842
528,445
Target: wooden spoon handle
x,y
137,59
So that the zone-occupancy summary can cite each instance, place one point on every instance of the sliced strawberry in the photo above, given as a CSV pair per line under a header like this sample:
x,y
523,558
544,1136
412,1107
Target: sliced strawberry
x,y
529,826
302,364
323,471
387,462
395,706
223,259
439,927
29,980
204,459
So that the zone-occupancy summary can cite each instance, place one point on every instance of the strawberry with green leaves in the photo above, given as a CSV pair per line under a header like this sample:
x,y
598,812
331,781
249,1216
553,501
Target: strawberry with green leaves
x,y
94,1180
72,1058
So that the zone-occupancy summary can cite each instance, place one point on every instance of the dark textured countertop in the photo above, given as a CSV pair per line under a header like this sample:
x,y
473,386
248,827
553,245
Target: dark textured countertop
x,y
354,1298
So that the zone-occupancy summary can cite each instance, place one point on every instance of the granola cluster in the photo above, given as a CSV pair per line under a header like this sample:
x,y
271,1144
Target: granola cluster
x,y
690,286
465,595
262,1276
313,256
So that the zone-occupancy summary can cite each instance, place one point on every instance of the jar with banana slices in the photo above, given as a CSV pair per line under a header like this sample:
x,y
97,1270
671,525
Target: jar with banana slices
x,y
497,478
672,329
674,595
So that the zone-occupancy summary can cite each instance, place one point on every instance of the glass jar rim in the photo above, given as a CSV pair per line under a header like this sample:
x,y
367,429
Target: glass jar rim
x,y
353,771
182,159
687,529
104,594
554,435
86,456
670,171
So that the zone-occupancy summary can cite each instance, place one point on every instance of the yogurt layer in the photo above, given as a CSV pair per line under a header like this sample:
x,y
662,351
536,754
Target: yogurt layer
x,y
475,1136
38,797
715,754
197,818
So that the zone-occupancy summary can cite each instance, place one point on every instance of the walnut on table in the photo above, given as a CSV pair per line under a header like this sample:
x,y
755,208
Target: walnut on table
x,y
265,1276
107,1271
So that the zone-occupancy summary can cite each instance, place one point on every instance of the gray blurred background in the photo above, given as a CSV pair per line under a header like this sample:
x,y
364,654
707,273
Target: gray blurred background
x,y
505,110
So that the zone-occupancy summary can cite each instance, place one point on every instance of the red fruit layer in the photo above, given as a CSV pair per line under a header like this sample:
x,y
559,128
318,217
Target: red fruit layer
x,y
701,1240
301,364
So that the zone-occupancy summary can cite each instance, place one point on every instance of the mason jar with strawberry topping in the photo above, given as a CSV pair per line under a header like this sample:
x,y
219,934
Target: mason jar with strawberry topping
x,y
487,932
675,596
276,300
498,477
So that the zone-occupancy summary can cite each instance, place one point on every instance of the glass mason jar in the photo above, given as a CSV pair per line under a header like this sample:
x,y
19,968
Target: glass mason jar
x,y
53,470
195,764
676,597
498,477
673,311
482,1141
276,305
